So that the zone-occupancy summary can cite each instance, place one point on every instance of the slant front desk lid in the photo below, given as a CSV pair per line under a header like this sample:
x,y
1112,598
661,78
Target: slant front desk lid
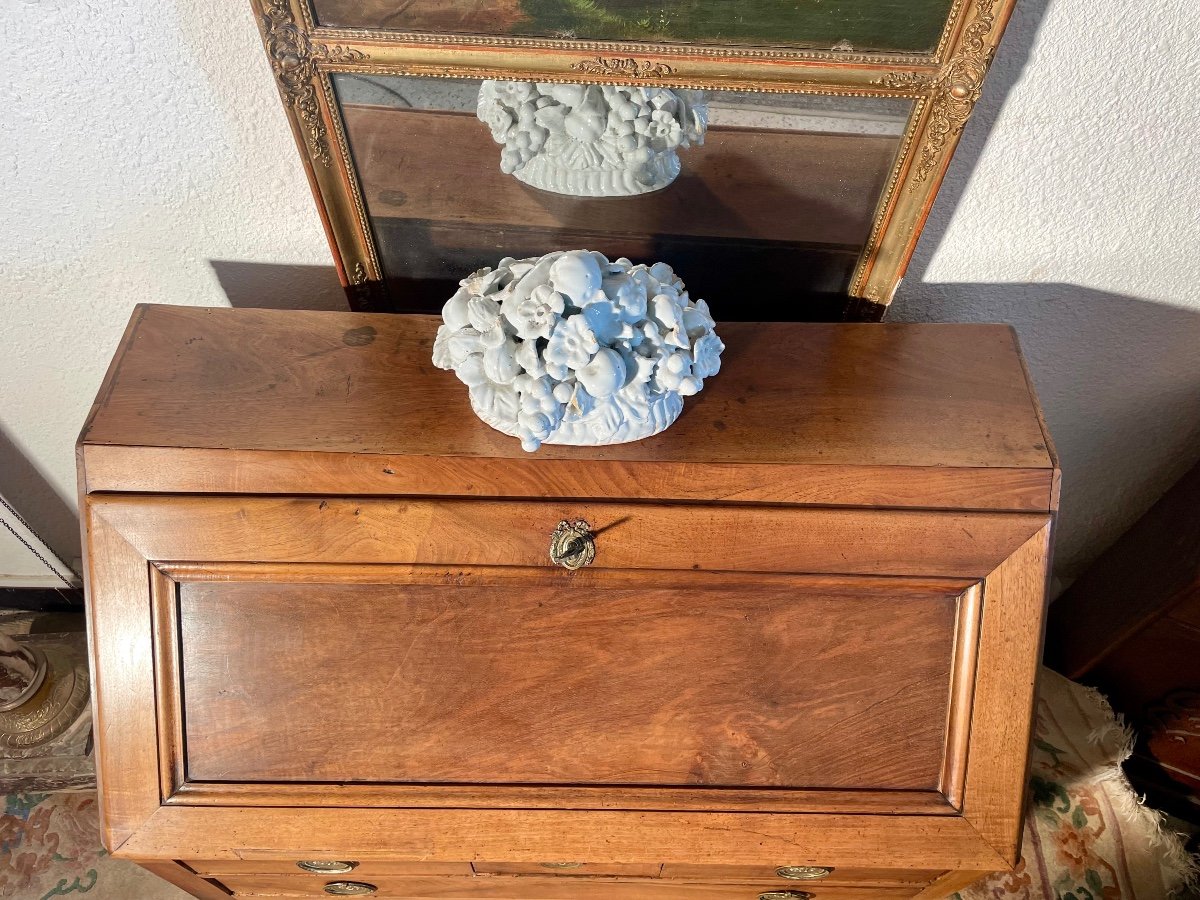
x,y
864,414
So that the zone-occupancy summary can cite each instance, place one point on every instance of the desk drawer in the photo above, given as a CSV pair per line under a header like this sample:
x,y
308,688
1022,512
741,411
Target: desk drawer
x,y
510,887
327,867
568,869
801,877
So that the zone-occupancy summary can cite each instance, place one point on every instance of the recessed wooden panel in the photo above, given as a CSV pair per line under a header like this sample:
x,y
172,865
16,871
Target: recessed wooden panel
x,y
812,684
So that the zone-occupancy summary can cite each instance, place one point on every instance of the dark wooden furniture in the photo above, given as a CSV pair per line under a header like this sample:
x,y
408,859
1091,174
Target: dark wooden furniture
x,y
331,648
1131,627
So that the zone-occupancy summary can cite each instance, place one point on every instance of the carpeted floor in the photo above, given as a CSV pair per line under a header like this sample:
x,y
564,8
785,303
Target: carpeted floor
x,y
50,847
1087,837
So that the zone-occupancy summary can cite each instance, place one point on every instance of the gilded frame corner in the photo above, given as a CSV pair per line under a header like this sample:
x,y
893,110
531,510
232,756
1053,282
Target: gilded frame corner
x,y
944,87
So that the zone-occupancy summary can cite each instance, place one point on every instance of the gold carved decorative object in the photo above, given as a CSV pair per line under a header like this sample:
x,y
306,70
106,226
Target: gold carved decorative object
x,y
623,68
954,90
42,694
943,85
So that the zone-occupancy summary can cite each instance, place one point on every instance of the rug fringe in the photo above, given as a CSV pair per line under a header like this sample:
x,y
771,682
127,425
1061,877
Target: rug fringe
x,y
1181,870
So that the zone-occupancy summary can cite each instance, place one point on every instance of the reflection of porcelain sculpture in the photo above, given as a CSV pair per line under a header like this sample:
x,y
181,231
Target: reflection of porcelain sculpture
x,y
591,140
574,349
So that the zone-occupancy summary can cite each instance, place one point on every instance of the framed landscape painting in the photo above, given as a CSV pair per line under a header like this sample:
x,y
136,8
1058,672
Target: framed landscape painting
x,y
901,26
832,125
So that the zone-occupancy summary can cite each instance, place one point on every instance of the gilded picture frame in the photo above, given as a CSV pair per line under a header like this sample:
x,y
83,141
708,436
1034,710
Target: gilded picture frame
x,y
943,87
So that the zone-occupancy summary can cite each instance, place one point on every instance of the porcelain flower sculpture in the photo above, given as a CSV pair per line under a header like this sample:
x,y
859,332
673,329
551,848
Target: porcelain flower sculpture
x,y
591,140
574,349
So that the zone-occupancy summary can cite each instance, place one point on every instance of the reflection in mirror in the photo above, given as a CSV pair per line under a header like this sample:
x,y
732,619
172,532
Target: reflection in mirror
x,y
766,218
592,140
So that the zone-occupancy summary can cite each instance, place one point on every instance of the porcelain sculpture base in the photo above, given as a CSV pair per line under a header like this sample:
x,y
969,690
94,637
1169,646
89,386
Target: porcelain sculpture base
x,y
583,431
544,173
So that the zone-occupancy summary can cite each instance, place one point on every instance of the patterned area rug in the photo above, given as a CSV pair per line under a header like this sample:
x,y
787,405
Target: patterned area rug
x,y
1086,835
50,847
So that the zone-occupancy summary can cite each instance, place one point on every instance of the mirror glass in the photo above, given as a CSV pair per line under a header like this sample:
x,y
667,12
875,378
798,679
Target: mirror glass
x,y
758,201
907,26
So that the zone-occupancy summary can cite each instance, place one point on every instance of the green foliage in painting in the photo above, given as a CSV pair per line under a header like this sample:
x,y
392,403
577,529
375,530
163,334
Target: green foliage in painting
x,y
908,25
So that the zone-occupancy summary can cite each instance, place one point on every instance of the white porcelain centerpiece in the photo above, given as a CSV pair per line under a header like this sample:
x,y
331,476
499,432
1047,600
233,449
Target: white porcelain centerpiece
x,y
591,140
571,348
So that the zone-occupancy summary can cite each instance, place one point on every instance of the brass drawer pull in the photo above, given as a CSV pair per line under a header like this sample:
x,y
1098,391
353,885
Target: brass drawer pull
x,y
350,888
561,865
326,866
786,895
803,873
572,545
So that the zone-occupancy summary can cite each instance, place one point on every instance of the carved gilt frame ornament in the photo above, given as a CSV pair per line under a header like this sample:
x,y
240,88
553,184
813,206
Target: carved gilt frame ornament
x,y
943,85
623,68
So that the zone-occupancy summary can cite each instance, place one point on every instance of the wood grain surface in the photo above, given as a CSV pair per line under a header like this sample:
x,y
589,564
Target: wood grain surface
x,y
802,685
543,888
472,796
569,869
324,622
371,868
184,879
857,875
1010,654
458,533
120,651
896,415
701,838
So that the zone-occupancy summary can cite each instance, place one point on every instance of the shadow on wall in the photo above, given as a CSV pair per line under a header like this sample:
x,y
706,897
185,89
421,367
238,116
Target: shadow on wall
x,y
251,285
31,495
1005,71
1118,376
1119,381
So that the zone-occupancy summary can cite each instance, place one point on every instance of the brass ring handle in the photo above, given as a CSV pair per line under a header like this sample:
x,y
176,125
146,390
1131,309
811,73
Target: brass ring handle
x,y
326,866
572,545
803,873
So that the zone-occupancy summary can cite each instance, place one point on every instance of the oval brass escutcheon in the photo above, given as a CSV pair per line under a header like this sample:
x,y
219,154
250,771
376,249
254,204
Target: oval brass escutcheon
x,y
326,866
803,873
785,895
572,545
350,888
561,865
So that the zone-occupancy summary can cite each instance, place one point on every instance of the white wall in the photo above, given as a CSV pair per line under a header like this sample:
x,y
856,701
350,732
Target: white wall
x,y
25,561
141,140
1078,206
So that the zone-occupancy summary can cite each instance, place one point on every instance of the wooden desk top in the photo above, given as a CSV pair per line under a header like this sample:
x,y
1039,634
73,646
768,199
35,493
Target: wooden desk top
x,y
268,401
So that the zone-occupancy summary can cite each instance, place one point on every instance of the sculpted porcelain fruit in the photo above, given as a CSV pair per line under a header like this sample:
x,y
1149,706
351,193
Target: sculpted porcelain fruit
x,y
604,375
591,140
571,348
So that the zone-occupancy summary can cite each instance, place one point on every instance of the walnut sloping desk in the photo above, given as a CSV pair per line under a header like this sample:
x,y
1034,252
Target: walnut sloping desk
x,y
332,653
